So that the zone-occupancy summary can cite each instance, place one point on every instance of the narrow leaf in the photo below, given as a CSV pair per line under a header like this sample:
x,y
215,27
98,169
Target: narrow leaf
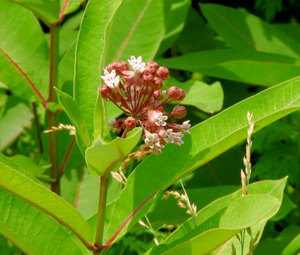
x,y
269,69
92,41
74,113
244,31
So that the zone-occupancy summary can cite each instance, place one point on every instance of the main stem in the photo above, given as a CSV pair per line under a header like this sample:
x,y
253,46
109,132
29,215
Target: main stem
x,y
101,212
52,116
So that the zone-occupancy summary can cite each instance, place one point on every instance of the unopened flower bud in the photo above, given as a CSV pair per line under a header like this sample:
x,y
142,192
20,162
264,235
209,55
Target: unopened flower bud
x,y
151,68
175,93
112,66
116,95
147,79
158,95
179,112
122,66
158,83
105,91
130,123
163,72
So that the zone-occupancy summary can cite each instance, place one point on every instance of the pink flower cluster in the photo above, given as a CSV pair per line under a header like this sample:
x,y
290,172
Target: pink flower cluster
x,y
138,93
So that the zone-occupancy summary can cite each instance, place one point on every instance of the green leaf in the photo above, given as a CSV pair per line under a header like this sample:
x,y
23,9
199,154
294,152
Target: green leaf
x,y
13,123
175,19
280,244
69,6
224,218
208,98
292,30
32,230
244,31
208,140
195,30
176,215
135,31
269,69
90,56
44,9
102,156
28,164
74,113
25,188
23,54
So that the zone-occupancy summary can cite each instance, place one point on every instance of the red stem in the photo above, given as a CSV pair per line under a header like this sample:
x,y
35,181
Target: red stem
x,y
110,241
66,158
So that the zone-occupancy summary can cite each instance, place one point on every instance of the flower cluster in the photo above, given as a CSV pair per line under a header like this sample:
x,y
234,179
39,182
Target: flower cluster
x,y
137,92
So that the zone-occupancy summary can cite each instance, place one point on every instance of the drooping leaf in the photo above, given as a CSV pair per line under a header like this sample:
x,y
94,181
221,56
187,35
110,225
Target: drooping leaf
x,y
269,69
208,140
244,31
23,53
135,31
91,56
46,10
25,188
103,155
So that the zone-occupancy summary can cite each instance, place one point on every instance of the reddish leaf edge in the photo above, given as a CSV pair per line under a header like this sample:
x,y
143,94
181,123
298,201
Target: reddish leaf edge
x,y
37,92
110,241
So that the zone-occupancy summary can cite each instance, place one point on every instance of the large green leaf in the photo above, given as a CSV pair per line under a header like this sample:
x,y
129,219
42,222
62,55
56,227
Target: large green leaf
x,y
90,55
208,140
103,155
244,31
32,230
138,29
223,219
23,53
175,20
21,185
44,9
246,66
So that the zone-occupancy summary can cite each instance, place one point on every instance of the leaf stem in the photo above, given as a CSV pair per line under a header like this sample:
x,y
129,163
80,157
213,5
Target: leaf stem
x,y
52,116
38,128
66,158
101,213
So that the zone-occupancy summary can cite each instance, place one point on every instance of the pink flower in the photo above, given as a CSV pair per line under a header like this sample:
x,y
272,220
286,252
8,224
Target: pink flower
x,y
185,127
157,118
137,64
